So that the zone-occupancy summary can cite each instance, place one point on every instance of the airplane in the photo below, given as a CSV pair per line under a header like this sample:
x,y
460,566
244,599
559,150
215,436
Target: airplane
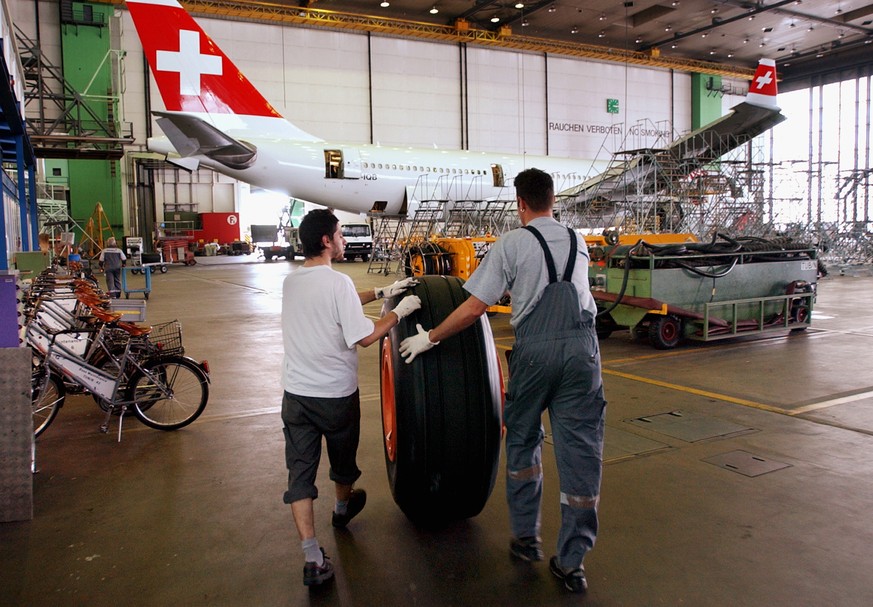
x,y
216,118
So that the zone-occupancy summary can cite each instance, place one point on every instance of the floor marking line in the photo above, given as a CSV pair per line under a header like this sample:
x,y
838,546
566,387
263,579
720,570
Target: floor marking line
x,y
706,393
833,402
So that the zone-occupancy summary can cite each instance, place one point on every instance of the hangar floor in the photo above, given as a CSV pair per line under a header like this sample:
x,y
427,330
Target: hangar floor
x,y
736,473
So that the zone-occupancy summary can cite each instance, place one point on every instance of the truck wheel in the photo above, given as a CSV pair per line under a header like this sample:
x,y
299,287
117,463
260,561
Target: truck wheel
x,y
441,414
665,331
365,258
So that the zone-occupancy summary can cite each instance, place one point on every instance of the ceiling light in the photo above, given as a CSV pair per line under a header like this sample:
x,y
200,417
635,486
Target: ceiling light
x,y
745,40
667,28
703,35
602,17
712,52
385,4
575,30
495,19
730,54
674,45
525,23
519,5
553,8
434,10
602,34
638,40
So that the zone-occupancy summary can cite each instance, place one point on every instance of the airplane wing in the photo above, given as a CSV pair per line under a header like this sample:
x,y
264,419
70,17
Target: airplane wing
x,y
192,136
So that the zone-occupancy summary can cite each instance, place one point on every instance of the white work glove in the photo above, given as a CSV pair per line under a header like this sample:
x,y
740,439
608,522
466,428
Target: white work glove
x,y
395,288
414,345
407,306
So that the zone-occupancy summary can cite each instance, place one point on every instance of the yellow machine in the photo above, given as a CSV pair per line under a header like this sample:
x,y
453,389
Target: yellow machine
x,y
460,256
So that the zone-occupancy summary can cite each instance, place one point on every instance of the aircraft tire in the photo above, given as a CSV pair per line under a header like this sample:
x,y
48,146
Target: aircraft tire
x,y
441,414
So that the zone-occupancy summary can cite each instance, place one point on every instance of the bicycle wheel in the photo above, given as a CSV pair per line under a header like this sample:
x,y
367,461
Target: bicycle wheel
x,y
171,393
46,398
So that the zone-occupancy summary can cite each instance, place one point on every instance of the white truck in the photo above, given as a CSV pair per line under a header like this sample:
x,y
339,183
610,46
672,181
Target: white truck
x,y
359,241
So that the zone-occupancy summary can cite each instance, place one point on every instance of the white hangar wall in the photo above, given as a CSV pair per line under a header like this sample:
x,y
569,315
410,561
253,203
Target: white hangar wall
x,y
356,88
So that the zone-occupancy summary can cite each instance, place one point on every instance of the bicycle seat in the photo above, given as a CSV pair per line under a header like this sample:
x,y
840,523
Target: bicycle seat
x,y
135,330
105,316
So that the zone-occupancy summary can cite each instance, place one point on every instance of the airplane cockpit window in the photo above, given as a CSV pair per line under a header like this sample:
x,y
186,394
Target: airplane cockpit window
x,y
333,164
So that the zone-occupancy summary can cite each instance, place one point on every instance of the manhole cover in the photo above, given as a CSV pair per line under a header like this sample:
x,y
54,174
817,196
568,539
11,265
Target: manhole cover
x,y
688,426
745,463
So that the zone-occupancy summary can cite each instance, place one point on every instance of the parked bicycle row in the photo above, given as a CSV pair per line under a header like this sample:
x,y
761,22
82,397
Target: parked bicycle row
x,y
81,346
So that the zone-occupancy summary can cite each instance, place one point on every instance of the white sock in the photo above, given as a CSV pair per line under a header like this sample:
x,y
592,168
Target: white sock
x,y
312,552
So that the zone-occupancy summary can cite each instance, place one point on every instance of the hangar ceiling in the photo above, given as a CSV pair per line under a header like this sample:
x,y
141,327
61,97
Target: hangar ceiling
x,y
806,37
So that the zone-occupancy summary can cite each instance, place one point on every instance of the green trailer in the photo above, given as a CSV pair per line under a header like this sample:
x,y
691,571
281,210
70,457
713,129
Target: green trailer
x,y
704,291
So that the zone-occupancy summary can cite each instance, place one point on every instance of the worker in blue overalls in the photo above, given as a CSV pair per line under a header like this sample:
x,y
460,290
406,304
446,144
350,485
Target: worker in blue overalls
x,y
555,365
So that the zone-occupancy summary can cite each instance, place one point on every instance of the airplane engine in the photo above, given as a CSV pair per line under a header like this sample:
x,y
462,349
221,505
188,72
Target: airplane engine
x,y
441,414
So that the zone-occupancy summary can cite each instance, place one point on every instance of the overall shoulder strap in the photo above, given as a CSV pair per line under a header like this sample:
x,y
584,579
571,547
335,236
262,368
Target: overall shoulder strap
x,y
571,260
550,263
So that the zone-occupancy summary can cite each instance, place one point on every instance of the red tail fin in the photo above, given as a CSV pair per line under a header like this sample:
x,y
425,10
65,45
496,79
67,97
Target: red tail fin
x,y
192,73
762,88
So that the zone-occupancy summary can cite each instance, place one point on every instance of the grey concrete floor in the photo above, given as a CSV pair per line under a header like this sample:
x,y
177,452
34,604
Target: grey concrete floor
x,y
195,517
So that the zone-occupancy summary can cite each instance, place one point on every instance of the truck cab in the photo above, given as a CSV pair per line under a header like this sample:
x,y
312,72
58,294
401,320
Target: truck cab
x,y
359,241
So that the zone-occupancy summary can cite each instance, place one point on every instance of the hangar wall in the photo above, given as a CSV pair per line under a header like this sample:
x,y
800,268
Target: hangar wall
x,y
358,88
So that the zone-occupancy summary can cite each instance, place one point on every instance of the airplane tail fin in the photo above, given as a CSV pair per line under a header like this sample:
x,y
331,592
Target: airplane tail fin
x,y
192,73
762,88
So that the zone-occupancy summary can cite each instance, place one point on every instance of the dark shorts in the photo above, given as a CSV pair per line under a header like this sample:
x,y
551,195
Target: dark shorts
x,y
307,419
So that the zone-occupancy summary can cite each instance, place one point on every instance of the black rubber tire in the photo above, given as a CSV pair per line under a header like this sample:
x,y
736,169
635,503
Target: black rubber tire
x,y
164,268
665,332
441,413
46,399
605,325
188,384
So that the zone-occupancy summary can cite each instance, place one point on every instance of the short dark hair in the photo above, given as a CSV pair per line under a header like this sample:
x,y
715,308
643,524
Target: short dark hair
x,y
317,223
537,189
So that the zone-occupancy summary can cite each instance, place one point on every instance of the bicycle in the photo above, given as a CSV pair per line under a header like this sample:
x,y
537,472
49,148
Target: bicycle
x,y
164,391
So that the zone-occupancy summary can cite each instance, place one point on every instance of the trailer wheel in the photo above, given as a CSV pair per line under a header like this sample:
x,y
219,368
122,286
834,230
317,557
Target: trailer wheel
x,y
665,331
604,325
441,414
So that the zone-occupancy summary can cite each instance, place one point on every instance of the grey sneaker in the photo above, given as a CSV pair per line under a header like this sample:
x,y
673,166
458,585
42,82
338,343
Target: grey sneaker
x,y
574,579
313,574
526,548
357,500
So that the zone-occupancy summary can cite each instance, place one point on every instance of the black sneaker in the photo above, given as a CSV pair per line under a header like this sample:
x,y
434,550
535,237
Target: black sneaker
x,y
526,548
357,500
313,574
574,580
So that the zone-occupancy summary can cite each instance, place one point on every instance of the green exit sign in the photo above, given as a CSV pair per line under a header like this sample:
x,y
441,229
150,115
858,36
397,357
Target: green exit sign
x,y
612,106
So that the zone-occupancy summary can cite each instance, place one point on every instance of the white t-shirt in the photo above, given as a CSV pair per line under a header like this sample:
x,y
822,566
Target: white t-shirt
x,y
322,321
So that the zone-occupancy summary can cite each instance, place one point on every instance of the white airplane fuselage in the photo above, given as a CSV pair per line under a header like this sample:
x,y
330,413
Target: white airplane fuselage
x,y
390,179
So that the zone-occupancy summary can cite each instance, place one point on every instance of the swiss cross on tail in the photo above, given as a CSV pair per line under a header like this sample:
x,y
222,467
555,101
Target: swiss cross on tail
x,y
192,73
762,88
